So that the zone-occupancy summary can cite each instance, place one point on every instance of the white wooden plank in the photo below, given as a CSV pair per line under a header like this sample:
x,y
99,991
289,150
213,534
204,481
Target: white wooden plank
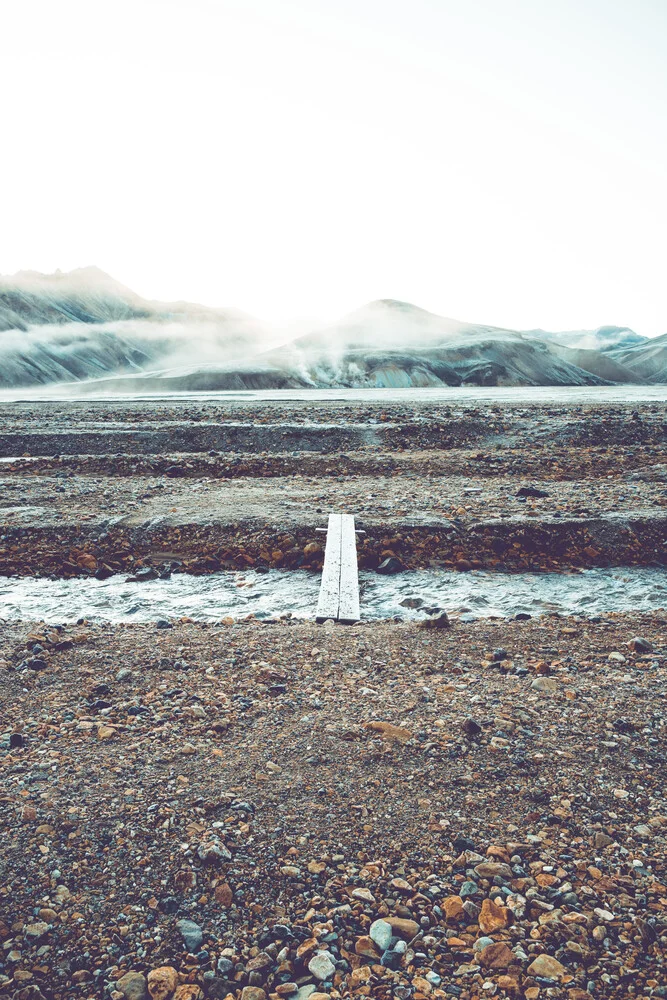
x,y
349,574
329,601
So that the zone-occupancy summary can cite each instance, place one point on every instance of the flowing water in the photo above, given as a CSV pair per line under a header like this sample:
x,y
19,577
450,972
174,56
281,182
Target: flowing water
x,y
408,595
446,394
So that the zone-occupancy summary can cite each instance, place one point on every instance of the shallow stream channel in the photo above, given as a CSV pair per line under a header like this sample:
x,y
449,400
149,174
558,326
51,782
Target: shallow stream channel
x,y
276,593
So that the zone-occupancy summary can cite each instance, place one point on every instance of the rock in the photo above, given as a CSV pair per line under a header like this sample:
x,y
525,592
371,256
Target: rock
x,y
381,933
213,851
16,741
471,728
497,956
106,733
191,933
367,948
453,907
390,566
162,982
36,930
224,895
640,645
547,685
133,986
321,966
491,869
643,830
304,992
438,620
124,674
532,492
253,993
188,991
547,967
390,732
493,917
406,929
602,840
363,894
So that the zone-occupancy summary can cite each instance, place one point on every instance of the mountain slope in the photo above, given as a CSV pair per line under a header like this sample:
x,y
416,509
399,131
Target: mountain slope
x,y
647,361
84,326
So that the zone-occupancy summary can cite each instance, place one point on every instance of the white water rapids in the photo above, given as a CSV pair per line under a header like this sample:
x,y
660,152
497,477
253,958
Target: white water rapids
x,y
477,594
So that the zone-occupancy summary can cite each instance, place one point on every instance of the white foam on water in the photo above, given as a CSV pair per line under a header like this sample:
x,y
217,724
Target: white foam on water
x,y
477,594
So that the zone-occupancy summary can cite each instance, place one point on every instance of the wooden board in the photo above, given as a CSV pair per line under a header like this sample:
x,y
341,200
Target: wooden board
x,y
339,590
329,602
348,610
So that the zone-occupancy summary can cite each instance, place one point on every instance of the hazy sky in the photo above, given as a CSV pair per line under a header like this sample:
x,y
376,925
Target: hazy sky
x,y
492,160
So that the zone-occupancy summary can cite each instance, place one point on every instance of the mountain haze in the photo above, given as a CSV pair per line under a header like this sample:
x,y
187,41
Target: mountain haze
x,y
85,327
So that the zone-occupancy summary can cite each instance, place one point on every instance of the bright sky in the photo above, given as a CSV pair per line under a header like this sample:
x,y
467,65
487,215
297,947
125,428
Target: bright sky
x,y
500,161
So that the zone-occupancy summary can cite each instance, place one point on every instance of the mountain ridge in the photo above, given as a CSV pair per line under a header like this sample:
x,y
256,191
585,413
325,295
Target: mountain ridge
x,y
83,325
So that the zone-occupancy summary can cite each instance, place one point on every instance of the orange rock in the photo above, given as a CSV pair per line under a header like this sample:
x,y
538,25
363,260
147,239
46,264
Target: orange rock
x,y
493,917
390,732
366,947
188,991
453,907
162,982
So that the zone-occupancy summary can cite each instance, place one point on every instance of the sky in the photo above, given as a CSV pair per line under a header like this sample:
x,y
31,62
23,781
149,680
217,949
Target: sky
x,y
497,161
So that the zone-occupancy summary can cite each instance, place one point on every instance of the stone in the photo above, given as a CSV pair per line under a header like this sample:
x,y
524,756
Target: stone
x,y
381,934
106,733
471,728
547,685
321,966
390,566
191,933
453,907
640,645
224,895
406,929
188,991
366,947
253,993
602,840
493,917
643,830
438,620
162,982
212,851
133,986
390,732
36,930
497,956
547,967
491,869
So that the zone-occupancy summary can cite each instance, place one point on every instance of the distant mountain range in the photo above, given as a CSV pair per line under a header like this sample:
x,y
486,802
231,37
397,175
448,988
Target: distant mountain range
x,y
81,326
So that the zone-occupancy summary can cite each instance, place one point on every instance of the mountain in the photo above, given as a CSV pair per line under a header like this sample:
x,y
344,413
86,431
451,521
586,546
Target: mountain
x,y
647,360
83,324
84,327
390,343
604,338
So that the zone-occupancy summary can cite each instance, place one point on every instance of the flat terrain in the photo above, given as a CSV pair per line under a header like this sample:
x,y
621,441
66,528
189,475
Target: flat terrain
x,y
287,810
